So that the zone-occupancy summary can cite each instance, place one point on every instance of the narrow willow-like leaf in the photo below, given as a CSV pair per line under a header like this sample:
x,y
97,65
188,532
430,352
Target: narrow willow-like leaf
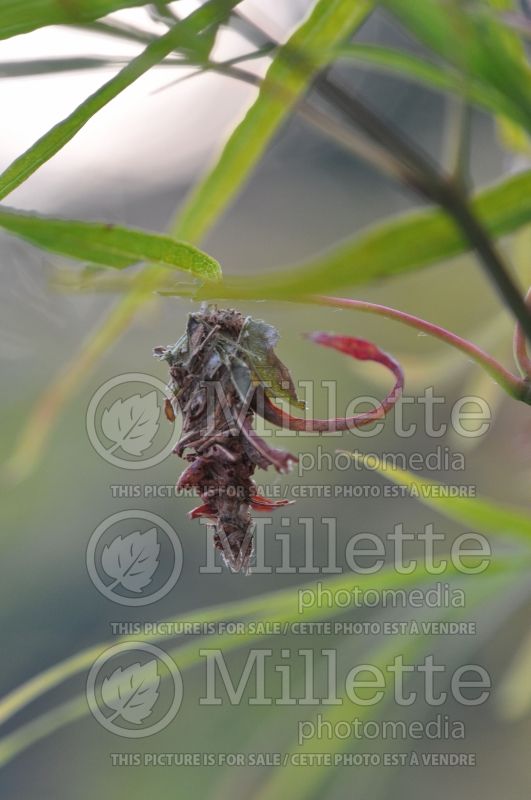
x,y
330,22
46,680
470,37
276,607
118,30
403,244
22,16
511,134
283,605
485,515
110,245
289,780
440,77
48,145
328,25
48,66
51,66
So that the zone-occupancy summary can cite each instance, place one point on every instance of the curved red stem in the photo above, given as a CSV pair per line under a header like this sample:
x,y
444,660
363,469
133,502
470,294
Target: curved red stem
x,y
361,350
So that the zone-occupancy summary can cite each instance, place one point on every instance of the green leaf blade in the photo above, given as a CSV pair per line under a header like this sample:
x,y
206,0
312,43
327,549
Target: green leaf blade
x,y
416,240
58,136
18,17
486,515
259,339
50,66
107,244
438,77
330,22
473,39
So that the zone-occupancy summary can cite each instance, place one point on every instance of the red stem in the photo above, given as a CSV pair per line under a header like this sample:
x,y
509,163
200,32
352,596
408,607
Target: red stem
x,y
362,350
512,384
357,348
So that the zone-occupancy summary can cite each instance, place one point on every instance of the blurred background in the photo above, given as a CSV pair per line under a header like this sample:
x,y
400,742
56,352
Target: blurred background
x,y
134,163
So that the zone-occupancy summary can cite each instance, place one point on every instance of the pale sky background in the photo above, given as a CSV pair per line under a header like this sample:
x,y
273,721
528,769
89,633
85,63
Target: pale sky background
x,y
142,136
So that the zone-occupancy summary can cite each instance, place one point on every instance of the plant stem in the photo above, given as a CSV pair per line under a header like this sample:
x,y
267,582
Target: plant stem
x,y
395,156
515,386
426,178
492,261
458,142
520,349
390,151
435,186
512,384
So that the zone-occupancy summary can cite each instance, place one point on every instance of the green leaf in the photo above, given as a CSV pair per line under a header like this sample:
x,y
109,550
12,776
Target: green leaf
x,y
21,16
403,244
110,245
446,78
118,30
484,515
46,66
331,29
182,33
274,607
259,340
472,38
204,44
511,134
442,77
289,780
330,22
281,606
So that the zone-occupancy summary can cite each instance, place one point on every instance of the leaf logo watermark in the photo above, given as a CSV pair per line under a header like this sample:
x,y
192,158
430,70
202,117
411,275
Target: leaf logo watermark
x,y
124,691
132,560
132,424
124,421
132,692
132,563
